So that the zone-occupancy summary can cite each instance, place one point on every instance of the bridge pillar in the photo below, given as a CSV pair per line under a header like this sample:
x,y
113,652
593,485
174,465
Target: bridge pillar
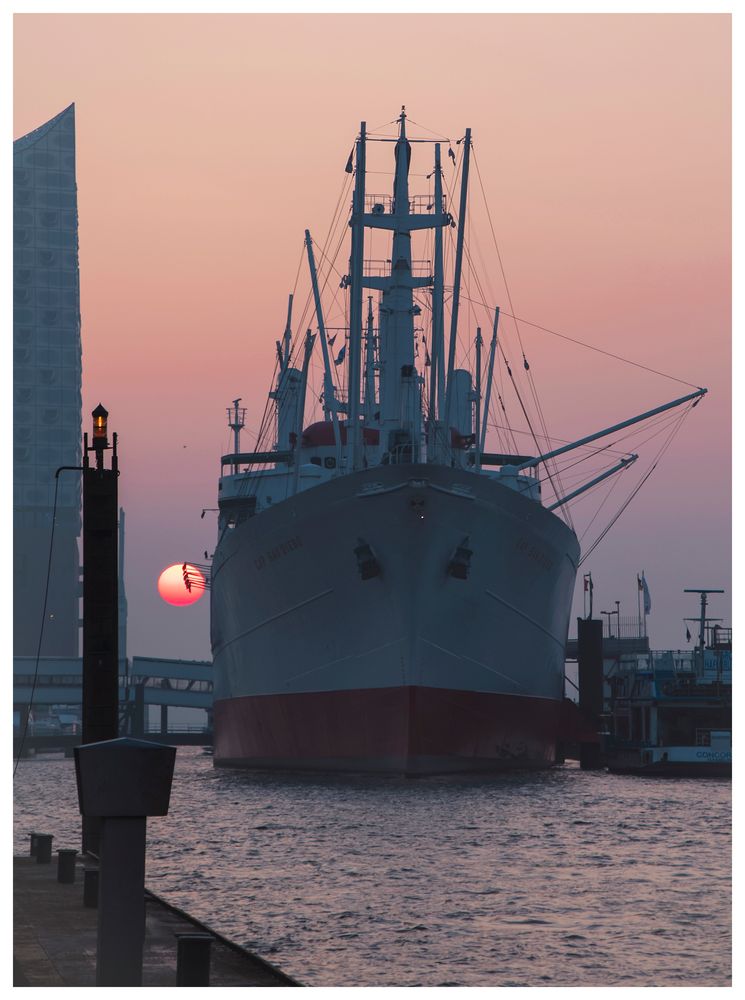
x,y
590,671
138,713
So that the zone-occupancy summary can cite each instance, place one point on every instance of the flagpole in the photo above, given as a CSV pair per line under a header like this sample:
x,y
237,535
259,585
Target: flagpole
x,y
639,604
644,577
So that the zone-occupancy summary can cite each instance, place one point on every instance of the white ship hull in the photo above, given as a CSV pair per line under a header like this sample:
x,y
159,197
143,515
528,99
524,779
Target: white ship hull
x,y
411,670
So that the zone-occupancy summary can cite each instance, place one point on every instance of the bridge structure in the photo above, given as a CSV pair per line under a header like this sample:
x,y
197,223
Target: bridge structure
x,y
51,698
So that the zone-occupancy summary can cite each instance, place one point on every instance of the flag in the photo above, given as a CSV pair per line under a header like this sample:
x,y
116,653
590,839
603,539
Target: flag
x,y
639,582
349,167
340,358
688,634
331,343
647,598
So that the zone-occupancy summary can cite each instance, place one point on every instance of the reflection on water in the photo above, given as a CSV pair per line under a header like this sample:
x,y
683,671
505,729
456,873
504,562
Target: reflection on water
x,y
555,878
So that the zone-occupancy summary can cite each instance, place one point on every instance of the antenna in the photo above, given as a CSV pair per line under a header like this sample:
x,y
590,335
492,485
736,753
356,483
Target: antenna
x,y
702,619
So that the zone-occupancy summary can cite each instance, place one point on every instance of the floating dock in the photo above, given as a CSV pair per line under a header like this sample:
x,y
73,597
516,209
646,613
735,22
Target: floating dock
x,y
54,937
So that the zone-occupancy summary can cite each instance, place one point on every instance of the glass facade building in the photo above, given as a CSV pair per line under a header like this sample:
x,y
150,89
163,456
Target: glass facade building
x,y
46,388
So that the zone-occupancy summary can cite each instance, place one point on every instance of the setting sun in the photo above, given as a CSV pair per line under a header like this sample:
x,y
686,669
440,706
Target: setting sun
x,y
173,589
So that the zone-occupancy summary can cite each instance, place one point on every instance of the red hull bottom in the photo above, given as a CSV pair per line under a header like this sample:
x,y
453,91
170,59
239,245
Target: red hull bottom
x,y
403,730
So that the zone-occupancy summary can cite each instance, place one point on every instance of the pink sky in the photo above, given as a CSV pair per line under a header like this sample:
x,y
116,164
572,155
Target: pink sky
x,y
206,144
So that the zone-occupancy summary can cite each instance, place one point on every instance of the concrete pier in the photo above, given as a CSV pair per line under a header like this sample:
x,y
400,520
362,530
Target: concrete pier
x,y
54,937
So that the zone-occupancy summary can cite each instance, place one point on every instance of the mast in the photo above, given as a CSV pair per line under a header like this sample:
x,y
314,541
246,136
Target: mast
x,y
437,374
370,365
489,378
477,436
355,305
399,383
702,619
329,397
288,331
309,341
457,275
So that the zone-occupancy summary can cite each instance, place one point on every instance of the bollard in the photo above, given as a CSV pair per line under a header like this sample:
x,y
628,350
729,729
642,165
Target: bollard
x,y
90,887
121,782
44,848
193,959
66,865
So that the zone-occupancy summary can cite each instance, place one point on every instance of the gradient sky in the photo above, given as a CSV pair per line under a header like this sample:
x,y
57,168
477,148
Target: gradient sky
x,y
206,144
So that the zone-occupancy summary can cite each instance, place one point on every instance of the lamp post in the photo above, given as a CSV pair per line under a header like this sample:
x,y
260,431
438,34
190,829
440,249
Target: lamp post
x,y
608,613
618,618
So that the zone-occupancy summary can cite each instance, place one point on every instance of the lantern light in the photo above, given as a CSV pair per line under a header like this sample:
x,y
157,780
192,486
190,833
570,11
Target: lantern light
x,y
100,420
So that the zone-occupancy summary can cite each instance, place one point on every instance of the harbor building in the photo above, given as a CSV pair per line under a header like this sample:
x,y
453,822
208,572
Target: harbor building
x,y
46,388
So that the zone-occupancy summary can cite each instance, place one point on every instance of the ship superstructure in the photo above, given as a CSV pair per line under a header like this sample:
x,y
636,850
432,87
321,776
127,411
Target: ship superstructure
x,y
669,712
386,594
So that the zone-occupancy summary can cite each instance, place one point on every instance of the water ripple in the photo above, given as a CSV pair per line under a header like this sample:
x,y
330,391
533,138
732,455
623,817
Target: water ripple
x,y
563,878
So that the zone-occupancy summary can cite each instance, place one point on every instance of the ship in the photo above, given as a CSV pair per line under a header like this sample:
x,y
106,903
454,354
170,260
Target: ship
x,y
668,712
388,595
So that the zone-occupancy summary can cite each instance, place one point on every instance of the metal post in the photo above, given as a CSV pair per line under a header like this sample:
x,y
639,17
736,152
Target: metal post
x,y
100,599
121,910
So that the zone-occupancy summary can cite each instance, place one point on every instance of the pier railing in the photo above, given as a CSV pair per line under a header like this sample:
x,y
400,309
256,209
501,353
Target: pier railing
x,y
623,627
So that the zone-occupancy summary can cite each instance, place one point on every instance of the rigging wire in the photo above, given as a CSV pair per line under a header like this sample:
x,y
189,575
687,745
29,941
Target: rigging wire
x,y
665,445
592,347
438,134
531,381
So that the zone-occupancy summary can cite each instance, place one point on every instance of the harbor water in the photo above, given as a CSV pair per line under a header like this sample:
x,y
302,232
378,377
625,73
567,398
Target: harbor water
x,y
557,878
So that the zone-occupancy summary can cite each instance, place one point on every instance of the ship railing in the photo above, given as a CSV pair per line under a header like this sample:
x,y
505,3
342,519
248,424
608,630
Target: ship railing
x,y
419,204
681,661
720,636
382,268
